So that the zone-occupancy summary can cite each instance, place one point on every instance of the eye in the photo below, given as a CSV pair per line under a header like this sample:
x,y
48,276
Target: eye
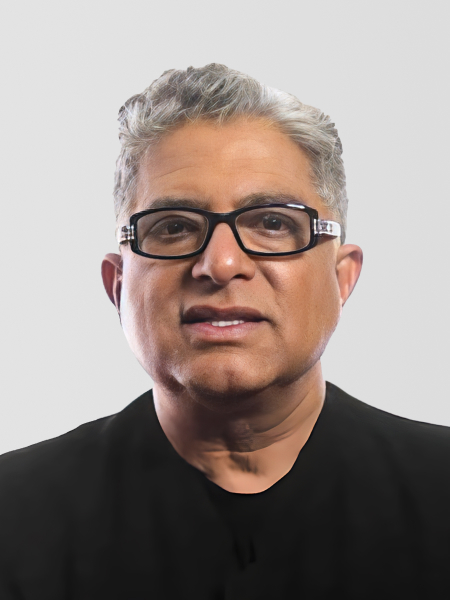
x,y
171,226
272,222
175,227
268,222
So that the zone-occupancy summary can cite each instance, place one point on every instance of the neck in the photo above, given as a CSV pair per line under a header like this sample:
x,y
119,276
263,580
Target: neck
x,y
249,449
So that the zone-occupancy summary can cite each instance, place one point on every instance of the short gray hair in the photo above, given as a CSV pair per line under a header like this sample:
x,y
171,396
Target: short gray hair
x,y
219,94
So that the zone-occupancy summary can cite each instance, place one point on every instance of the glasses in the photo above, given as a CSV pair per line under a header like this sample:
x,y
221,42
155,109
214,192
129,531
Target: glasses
x,y
278,229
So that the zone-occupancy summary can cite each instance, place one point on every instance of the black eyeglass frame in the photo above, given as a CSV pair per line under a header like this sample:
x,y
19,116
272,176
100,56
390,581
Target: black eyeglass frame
x,y
318,228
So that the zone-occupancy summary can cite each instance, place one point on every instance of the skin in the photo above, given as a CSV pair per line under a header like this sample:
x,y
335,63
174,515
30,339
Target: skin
x,y
239,402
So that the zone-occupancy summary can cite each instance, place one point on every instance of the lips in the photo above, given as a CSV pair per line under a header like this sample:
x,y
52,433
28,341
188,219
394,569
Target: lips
x,y
221,317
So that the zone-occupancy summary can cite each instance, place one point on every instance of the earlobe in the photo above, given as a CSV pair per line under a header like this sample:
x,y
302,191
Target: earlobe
x,y
112,278
348,268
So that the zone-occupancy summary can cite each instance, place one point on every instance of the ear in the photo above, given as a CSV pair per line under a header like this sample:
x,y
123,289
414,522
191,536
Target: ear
x,y
348,268
112,278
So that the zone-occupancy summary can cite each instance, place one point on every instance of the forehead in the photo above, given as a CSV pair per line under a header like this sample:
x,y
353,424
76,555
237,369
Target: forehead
x,y
219,165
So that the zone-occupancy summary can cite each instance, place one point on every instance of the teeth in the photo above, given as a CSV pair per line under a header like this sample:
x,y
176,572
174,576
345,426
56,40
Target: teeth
x,y
225,323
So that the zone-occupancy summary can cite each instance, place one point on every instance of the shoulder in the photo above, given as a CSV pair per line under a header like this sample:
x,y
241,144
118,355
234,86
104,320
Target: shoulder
x,y
55,494
53,489
379,420
372,432
25,472
61,463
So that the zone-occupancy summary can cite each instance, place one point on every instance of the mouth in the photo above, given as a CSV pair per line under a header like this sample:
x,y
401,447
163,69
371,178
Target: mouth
x,y
234,317
224,323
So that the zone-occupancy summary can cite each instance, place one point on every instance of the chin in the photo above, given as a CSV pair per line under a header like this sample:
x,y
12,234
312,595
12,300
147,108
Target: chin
x,y
223,386
227,384
223,381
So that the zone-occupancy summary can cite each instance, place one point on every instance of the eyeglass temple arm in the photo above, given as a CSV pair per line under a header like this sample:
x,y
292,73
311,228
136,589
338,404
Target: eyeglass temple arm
x,y
327,228
126,234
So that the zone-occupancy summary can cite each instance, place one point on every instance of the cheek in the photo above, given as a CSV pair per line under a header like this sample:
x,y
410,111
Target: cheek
x,y
326,305
309,301
145,305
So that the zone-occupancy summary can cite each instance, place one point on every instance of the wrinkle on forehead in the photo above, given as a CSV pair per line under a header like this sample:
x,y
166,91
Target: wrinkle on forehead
x,y
238,143
231,157
172,171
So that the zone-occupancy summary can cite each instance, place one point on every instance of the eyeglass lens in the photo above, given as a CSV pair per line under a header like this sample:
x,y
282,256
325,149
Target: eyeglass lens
x,y
271,230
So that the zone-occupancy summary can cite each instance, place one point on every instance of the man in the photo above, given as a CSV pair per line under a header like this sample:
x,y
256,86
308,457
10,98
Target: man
x,y
241,475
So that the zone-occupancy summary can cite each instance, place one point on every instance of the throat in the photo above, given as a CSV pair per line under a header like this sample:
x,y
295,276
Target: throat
x,y
247,452
245,463
247,472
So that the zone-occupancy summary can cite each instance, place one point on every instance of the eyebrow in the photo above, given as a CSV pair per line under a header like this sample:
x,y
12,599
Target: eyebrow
x,y
255,199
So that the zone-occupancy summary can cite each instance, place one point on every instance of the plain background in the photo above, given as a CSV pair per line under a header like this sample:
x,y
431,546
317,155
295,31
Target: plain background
x,y
380,69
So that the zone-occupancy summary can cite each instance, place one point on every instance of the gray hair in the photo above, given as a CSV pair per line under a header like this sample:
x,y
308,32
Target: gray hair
x,y
219,94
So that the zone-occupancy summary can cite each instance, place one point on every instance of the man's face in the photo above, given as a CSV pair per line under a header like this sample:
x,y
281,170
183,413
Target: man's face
x,y
289,305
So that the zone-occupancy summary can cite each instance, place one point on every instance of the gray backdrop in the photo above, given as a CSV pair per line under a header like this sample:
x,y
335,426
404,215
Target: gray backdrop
x,y
379,69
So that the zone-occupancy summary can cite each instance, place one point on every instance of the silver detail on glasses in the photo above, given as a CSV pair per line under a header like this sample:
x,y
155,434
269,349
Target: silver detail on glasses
x,y
126,234
327,228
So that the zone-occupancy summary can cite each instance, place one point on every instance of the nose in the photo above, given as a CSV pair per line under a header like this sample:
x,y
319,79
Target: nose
x,y
223,260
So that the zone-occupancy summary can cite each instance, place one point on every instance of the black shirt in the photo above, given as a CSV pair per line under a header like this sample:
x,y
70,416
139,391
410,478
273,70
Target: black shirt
x,y
111,511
